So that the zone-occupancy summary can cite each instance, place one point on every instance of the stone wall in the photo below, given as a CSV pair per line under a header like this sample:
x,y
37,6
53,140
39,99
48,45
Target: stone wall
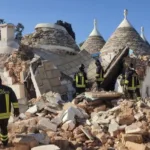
x,y
68,64
47,77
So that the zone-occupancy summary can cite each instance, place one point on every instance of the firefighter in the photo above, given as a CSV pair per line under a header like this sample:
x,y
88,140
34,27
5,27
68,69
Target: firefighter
x,y
124,81
7,97
80,80
99,75
131,77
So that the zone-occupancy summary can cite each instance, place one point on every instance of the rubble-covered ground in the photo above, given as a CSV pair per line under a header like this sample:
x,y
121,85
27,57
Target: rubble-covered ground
x,y
86,123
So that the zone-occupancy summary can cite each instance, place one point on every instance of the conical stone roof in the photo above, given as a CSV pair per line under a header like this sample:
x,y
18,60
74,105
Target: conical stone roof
x,y
125,35
50,37
95,41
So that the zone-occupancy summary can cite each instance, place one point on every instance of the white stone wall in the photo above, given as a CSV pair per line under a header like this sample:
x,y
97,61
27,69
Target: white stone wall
x,y
146,84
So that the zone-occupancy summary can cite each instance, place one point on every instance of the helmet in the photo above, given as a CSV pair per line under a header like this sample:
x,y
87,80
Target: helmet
x,y
97,62
81,67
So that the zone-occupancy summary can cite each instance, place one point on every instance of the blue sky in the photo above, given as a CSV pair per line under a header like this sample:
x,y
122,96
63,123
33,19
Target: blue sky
x,y
80,13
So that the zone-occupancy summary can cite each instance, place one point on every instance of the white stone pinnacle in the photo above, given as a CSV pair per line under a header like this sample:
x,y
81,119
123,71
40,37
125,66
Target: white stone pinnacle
x,y
142,34
125,22
125,13
95,31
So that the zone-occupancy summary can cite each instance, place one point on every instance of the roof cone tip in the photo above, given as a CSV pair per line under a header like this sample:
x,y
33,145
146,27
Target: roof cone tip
x,y
95,24
95,31
142,30
125,13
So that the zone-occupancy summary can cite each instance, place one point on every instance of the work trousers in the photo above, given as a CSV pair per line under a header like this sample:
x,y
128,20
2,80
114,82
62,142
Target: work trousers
x,y
3,130
131,94
138,92
79,91
98,87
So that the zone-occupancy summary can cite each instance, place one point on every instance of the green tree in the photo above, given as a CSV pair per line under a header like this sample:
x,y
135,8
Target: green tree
x,y
68,27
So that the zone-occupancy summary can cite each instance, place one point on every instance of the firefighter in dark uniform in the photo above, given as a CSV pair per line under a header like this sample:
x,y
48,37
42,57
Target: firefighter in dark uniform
x,y
133,82
99,74
80,80
7,97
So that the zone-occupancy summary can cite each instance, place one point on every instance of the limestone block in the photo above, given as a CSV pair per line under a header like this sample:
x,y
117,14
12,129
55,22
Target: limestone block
x,y
54,82
46,84
45,124
19,90
48,65
55,73
42,73
55,89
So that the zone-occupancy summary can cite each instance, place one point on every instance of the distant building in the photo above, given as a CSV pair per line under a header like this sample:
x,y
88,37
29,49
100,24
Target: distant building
x,y
7,39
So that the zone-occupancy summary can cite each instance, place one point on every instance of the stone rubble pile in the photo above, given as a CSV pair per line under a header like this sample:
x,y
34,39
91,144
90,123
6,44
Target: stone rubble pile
x,y
82,124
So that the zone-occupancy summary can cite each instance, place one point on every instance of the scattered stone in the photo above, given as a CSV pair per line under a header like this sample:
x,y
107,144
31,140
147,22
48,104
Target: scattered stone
x,y
136,138
102,137
138,116
136,146
87,133
46,147
126,118
113,128
26,142
32,109
132,129
100,108
45,124
69,125
41,138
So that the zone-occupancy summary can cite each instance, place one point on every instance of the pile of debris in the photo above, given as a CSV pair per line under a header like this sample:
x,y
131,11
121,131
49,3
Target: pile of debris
x,y
85,124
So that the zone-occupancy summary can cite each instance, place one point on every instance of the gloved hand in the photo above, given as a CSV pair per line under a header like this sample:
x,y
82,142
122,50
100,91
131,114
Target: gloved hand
x,y
16,112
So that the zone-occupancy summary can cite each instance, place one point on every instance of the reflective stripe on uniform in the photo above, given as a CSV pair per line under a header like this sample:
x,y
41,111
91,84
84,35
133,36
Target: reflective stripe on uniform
x,y
6,115
4,137
15,105
82,84
7,102
132,87
101,78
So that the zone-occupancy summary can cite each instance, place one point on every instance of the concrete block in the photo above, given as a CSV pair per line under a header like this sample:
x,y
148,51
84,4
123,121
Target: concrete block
x,y
54,82
55,89
46,84
42,73
55,73
19,90
45,124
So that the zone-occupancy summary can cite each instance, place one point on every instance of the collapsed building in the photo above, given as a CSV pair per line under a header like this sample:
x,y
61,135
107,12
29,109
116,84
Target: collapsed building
x,y
44,65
